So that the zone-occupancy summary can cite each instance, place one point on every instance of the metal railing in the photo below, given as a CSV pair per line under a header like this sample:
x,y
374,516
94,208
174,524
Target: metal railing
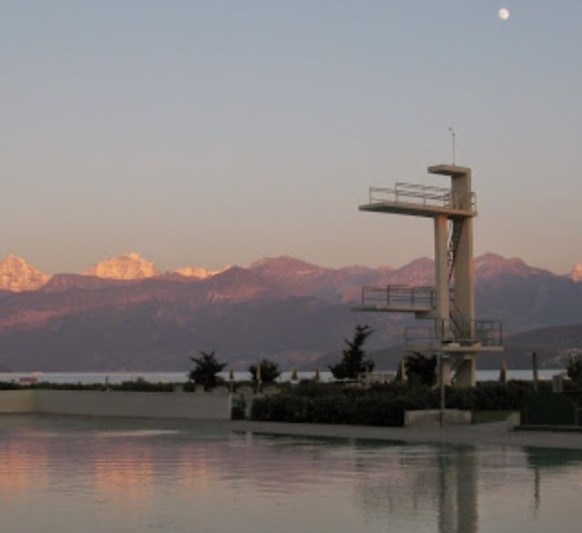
x,y
423,195
399,296
421,336
485,333
489,332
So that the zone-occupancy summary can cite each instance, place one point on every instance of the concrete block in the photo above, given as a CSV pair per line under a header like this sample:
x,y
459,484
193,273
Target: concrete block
x,y
17,401
432,417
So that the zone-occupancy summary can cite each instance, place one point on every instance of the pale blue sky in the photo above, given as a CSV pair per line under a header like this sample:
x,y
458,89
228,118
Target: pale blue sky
x,y
213,132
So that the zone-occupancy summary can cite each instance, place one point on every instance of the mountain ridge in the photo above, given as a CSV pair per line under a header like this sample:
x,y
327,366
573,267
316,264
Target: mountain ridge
x,y
16,274
281,308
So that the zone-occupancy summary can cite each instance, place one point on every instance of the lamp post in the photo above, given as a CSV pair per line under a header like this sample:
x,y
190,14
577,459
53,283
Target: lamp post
x,y
258,377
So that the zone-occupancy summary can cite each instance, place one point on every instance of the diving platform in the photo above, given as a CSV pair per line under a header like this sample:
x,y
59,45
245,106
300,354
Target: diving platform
x,y
420,200
398,299
473,337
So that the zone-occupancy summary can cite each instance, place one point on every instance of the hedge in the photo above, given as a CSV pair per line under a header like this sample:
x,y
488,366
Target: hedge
x,y
381,405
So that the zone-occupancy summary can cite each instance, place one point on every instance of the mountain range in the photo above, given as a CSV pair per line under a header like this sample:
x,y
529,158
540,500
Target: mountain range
x,y
124,314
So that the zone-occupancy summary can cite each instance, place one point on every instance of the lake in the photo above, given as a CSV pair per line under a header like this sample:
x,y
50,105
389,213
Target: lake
x,y
180,377
93,475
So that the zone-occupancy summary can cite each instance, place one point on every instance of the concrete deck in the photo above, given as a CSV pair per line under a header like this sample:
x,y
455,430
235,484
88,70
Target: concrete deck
x,y
491,434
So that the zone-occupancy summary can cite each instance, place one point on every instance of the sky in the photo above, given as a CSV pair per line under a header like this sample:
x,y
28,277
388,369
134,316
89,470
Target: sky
x,y
220,132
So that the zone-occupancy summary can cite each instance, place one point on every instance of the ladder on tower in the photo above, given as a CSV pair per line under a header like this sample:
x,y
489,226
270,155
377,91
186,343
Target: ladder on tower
x,y
455,231
459,325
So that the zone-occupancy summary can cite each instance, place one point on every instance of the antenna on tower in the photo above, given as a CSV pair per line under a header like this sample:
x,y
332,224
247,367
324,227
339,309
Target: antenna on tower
x,y
454,142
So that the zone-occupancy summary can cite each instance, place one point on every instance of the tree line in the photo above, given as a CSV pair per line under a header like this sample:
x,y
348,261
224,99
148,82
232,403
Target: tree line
x,y
352,365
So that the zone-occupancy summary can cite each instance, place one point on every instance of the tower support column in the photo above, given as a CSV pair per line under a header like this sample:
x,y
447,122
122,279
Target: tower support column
x,y
466,370
442,277
446,371
464,269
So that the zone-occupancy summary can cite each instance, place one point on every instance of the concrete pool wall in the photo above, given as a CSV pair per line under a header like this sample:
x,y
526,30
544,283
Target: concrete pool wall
x,y
194,406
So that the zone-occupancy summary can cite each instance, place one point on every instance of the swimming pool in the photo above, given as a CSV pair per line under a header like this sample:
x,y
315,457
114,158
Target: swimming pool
x,y
88,475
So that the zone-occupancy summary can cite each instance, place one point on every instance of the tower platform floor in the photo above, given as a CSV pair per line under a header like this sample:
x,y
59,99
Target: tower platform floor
x,y
428,211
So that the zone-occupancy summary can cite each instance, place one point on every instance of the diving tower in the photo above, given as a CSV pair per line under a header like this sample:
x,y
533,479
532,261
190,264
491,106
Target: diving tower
x,y
456,335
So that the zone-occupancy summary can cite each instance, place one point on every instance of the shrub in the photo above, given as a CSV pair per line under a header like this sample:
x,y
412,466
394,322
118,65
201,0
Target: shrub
x,y
332,404
269,371
238,408
421,370
10,385
382,405
141,385
574,370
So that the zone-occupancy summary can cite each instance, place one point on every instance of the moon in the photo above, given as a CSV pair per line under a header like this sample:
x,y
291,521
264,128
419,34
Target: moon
x,y
503,13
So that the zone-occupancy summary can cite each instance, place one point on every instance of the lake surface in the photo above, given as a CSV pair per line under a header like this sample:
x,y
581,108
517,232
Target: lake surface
x,y
93,475
181,377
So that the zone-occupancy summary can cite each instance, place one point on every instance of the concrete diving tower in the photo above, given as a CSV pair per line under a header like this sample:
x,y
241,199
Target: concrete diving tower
x,y
455,333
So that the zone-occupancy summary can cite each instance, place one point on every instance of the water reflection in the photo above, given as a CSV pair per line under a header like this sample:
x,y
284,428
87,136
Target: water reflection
x,y
458,491
97,475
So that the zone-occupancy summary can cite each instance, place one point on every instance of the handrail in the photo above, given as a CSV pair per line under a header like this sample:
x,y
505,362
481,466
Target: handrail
x,y
400,296
420,335
427,196
419,186
487,333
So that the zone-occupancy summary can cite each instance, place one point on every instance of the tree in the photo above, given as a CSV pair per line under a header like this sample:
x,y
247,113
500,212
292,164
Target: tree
x,y
421,370
206,370
353,362
574,369
269,371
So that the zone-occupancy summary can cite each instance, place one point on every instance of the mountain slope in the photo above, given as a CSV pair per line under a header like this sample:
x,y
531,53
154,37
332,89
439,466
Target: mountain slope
x,y
282,308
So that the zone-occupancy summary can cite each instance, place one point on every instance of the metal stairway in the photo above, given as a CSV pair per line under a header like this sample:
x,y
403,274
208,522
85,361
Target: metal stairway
x,y
455,231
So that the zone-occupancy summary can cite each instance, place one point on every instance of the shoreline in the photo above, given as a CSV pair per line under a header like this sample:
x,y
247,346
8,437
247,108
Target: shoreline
x,y
488,434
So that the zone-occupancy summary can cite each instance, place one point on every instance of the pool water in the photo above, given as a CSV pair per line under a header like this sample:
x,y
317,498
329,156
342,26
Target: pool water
x,y
93,475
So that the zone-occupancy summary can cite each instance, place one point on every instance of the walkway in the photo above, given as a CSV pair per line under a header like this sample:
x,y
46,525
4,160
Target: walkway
x,y
495,434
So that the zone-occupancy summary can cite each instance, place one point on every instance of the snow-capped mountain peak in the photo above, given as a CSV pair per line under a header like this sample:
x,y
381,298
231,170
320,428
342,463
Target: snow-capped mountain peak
x,y
126,266
17,275
199,272
576,274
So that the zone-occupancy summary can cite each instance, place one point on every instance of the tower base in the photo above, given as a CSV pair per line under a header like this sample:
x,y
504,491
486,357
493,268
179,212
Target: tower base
x,y
466,370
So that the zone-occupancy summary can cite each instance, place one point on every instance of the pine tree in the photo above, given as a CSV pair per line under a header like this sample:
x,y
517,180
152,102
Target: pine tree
x,y
353,362
206,370
574,370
